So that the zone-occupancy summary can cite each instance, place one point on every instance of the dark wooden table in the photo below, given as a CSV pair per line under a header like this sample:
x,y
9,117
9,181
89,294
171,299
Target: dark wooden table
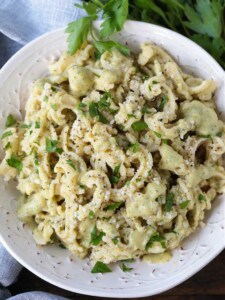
x,y
208,284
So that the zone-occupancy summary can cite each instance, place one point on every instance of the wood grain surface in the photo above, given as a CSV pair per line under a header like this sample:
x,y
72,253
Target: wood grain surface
x,y
208,284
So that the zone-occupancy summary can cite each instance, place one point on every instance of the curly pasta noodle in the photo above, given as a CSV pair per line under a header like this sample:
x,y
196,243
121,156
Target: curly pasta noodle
x,y
119,157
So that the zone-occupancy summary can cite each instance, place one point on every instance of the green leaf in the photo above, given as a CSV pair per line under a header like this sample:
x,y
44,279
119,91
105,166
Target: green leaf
x,y
115,240
37,124
124,268
201,197
93,109
113,206
50,145
27,126
54,106
206,18
139,126
162,103
115,177
100,267
128,260
15,162
81,106
10,121
45,98
135,147
219,134
169,202
184,204
71,164
90,7
59,150
6,134
7,146
78,32
131,116
91,214
145,110
115,14
157,134
165,141
103,46
156,238
96,237
103,103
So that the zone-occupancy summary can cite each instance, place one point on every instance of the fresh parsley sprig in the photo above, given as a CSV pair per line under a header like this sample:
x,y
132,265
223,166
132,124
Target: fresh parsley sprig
x,y
114,14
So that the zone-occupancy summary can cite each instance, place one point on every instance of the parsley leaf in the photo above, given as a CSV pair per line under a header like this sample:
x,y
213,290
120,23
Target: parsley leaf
x,y
100,267
15,162
10,121
27,126
157,134
37,124
115,240
113,206
78,32
184,204
139,126
162,103
95,113
50,145
156,238
115,177
6,134
114,16
71,164
124,268
91,214
219,134
201,197
135,147
103,46
96,237
169,202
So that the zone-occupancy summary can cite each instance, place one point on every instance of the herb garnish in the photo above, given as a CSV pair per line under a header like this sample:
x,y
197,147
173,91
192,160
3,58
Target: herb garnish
x,y
115,177
15,162
169,202
6,134
139,126
100,267
96,237
113,206
156,238
71,163
184,204
201,197
10,121
124,268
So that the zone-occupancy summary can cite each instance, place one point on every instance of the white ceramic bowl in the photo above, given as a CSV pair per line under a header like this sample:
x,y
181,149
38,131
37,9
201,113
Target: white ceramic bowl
x,y
54,264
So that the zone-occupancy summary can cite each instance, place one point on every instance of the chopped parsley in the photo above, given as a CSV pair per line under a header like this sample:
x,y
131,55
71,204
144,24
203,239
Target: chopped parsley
x,y
96,237
15,162
91,214
201,197
165,141
184,204
45,98
162,103
95,113
139,126
54,106
219,134
169,202
81,106
145,110
131,116
37,124
100,267
156,238
27,126
5,134
124,268
206,136
135,147
7,146
113,206
10,121
115,240
115,177
51,146
71,164
157,134
154,82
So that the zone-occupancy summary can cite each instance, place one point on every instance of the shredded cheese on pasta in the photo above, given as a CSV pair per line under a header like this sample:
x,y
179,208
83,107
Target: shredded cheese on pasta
x,y
119,157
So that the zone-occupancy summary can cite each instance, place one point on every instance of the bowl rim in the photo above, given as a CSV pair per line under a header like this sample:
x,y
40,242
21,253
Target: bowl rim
x,y
219,247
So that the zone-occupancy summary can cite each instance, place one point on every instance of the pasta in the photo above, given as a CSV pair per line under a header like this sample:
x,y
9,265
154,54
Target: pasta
x,y
118,157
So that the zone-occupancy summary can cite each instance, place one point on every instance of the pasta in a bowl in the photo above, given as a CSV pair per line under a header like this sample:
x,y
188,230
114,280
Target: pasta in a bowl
x,y
117,157
124,153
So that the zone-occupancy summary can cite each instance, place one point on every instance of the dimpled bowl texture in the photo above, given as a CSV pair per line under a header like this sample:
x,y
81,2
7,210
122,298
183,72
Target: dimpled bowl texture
x,y
57,265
